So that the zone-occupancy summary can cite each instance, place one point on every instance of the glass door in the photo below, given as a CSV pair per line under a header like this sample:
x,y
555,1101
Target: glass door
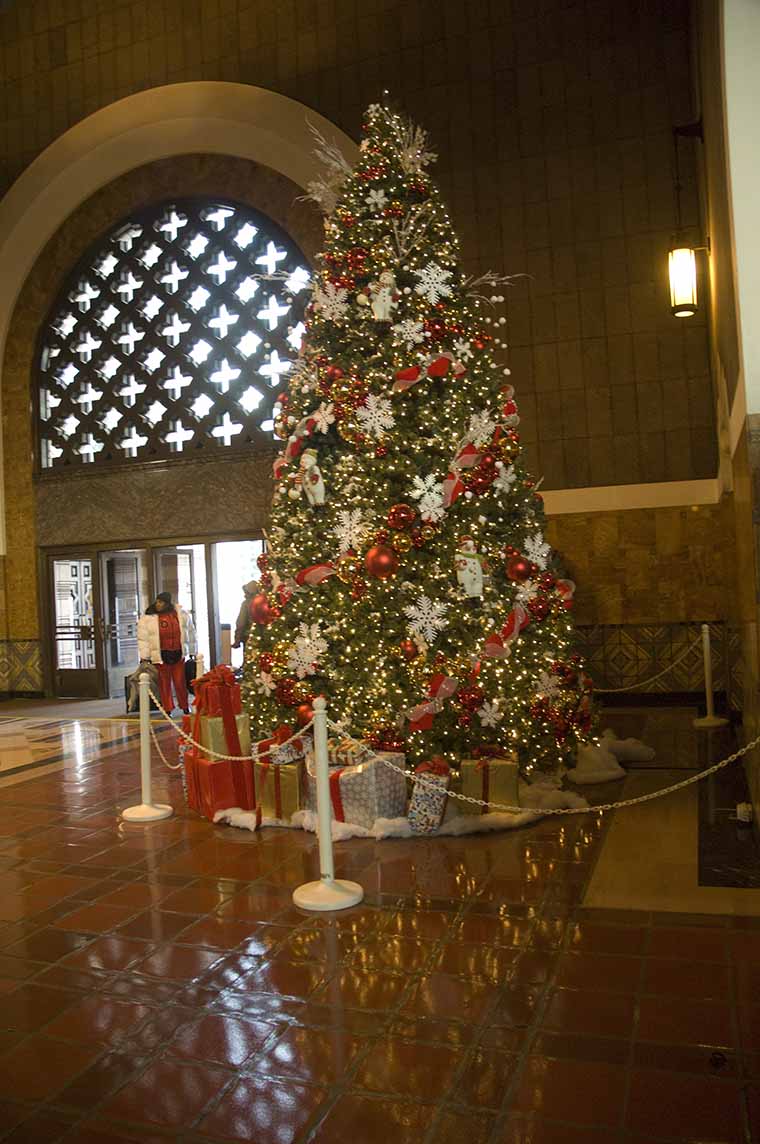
x,y
235,566
181,570
78,659
125,580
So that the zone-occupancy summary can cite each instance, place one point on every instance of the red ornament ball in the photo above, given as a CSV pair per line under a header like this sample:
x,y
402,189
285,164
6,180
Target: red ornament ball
x,y
518,568
334,372
547,581
464,719
266,662
470,697
401,515
539,607
381,562
381,451
260,610
418,540
304,713
381,536
480,485
262,562
409,649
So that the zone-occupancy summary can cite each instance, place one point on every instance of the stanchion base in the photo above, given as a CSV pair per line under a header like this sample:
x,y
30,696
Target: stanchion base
x,y
146,813
324,895
708,722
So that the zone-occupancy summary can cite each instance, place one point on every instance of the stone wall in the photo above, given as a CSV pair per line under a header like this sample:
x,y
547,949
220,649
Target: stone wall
x,y
552,121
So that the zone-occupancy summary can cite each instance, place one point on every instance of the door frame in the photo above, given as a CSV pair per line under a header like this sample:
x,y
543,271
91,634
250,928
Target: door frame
x,y
93,551
47,562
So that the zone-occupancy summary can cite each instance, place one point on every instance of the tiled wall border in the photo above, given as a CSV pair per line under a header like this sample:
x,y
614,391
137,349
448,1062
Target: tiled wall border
x,y
620,655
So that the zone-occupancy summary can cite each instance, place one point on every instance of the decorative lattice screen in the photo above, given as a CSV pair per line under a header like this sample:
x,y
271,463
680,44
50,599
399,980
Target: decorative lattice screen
x,y
171,338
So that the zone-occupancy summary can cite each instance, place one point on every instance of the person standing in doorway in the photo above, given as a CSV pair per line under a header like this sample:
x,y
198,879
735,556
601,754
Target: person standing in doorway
x,y
165,635
244,621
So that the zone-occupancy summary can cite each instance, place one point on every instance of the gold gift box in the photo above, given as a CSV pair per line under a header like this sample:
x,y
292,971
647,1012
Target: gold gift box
x,y
279,789
489,779
212,734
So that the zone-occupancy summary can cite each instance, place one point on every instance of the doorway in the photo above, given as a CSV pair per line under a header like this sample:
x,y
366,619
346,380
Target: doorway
x,y
96,596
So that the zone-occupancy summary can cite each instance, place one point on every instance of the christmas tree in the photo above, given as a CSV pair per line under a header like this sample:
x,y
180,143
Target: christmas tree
x,y
407,577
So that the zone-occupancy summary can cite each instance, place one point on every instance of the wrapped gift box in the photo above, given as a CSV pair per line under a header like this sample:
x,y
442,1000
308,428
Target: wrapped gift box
x,y
217,692
268,750
362,793
428,802
211,733
490,779
346,752
279,788
217,785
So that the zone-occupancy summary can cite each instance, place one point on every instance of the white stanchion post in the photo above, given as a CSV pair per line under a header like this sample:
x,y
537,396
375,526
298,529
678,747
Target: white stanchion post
x,y
710,720
147,810
328,893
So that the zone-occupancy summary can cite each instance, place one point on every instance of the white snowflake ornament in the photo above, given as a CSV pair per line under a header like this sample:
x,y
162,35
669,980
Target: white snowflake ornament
x,y
489,714
307,647
323,417
376,199
526,591
350,529
506,478
429,492
462,350
537,550
408,333
376,415
433,282
427,618
547,684
331,301
265,684
482,427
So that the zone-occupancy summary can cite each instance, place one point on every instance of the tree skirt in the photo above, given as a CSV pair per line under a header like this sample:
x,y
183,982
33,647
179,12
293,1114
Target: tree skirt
x,y
535,798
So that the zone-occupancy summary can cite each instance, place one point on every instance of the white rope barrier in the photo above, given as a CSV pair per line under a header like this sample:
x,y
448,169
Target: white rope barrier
x,y
552,810
367,752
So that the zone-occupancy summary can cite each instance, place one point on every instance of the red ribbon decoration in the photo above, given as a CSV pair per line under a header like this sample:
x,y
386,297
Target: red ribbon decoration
x,y
433,367
441,687
483,765
222,680
336,797
436,766
314,574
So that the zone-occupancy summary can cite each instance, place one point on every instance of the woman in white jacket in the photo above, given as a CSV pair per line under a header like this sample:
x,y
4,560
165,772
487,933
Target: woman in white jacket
x,y
165,635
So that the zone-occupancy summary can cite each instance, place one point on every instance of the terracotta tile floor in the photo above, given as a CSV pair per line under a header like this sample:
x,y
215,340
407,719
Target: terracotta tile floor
x,y
157,984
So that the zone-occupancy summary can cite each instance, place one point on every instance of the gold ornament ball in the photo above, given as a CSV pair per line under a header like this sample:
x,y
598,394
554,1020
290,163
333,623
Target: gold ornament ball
x,y
280,653
348,566
428,531
402,542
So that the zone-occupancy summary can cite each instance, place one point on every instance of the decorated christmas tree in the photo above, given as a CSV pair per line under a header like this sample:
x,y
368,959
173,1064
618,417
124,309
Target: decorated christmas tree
x,y
407,577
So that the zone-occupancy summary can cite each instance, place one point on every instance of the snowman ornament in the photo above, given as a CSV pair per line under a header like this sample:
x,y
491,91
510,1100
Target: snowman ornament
x,y
383,297
469,567
312,482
